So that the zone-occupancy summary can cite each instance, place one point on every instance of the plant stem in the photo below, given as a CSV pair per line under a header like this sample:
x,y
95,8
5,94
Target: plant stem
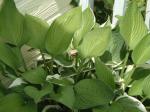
x,y
43,57
51,66
24,63
124,64
143,99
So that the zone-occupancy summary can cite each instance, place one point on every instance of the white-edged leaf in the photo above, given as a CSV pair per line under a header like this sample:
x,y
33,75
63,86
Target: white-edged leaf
x,y
130,104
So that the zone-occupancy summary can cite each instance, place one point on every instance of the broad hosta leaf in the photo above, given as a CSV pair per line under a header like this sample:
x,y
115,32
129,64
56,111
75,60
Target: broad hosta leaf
x,y
116,47
124,104
104,74
66,96
38,94
101,109
136,88
146,86
28,108
61,31
129,104
11,23
35,30
95,42
88,21
141,53
132,26
91,92
11,103
138,77
8,57
15,103
35,76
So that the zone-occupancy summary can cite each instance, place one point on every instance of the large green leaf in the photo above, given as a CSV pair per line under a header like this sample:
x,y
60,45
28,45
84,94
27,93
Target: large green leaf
x,y
104,73
61,31
146,86
137,79
123,104
11,23
132,26
66,96
129,104
35,30
95,42
137,87
35,76
88,21
141,53
8,56
91,92
38,94
116,47
15,103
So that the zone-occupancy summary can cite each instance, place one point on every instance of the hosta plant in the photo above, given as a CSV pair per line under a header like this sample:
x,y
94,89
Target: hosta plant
x,y
85,67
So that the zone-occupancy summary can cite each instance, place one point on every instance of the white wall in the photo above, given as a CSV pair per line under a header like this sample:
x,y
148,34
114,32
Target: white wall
x,y
46,9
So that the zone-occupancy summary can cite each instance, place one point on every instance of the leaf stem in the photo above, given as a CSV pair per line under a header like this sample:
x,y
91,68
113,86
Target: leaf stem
x,y
24,63
43,57
124,64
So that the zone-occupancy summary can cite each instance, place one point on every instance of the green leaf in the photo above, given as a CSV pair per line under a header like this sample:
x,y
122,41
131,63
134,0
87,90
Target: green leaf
x,y
59,80
116,47
141,53
146,86
28,108
15,103
95,42
104,73
132,26
123,104
137,87
61,31
137,78
129,104
66,96
8,56
35,30
11,103
88,22
38,94
91,92
11,23
101,109
35,76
